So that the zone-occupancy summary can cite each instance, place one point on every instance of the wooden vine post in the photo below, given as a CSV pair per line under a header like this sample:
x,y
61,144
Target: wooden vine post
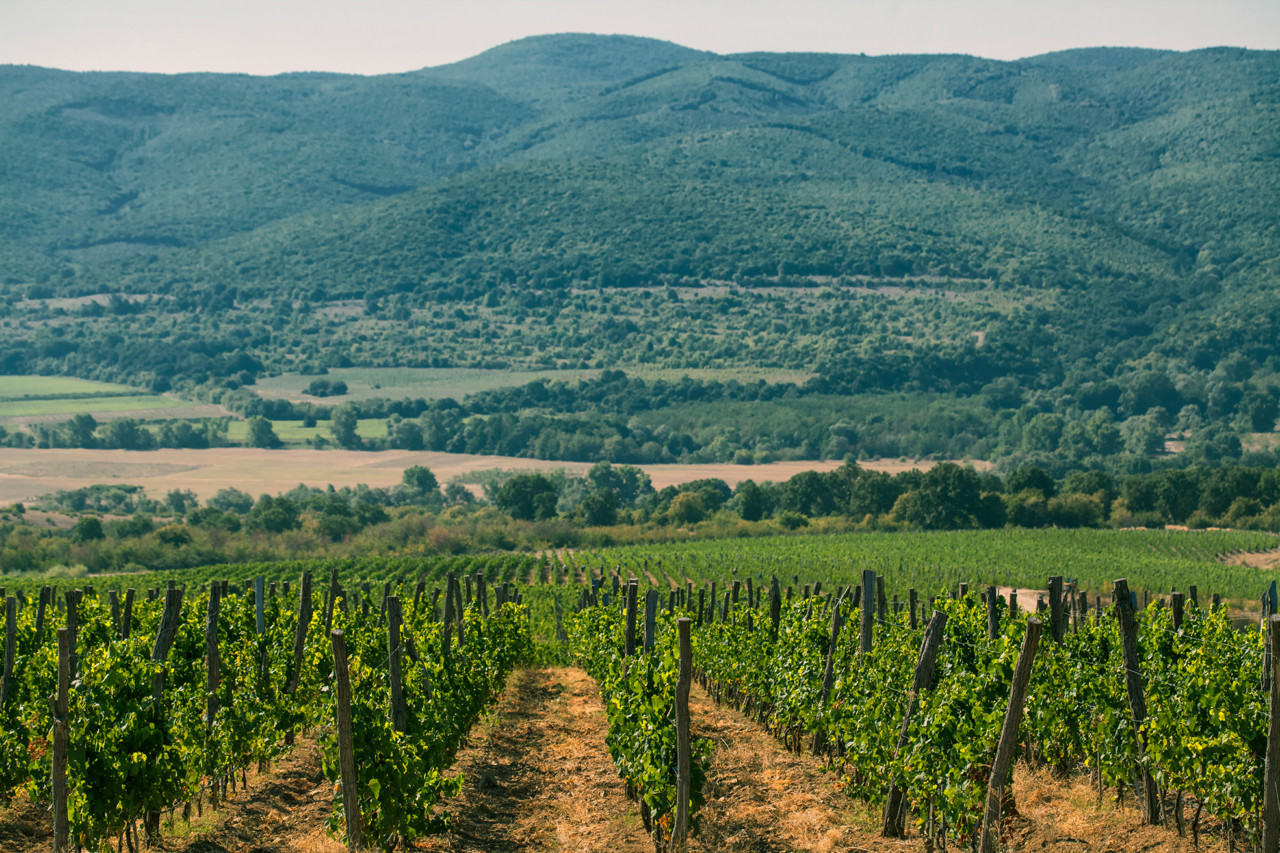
x,y
46,595
1008,737
868,611
684,782
1271,777
895,809
399,713
346,744
828,675
993,614
213,667
126,618
650,618
630,648
59,701
10,647
160,654
1124,608
1055,608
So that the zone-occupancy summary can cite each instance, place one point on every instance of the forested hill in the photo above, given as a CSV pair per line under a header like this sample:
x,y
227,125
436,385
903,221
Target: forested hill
x,y
1113,209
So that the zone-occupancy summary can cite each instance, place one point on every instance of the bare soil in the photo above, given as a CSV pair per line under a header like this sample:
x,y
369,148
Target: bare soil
x,y
29,473
1257,559
280,811
539,777
762,798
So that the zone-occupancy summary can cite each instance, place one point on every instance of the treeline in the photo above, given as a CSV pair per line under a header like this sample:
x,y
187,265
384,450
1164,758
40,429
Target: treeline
x,y
1088,422
119,528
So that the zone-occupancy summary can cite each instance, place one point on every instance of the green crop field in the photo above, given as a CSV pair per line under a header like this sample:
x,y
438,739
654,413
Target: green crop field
x,y
293,432
76,405
1152,560
433,383
46,387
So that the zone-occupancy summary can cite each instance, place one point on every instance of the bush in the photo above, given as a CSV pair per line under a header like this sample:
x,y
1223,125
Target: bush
x,y
793,520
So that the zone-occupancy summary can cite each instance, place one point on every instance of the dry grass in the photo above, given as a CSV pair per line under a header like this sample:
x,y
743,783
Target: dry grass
x,y
1257,559
281,811
27,474
539,778
1064,815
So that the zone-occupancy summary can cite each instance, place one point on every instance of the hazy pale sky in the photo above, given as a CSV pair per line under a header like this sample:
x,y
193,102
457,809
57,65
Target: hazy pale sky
x,y
379,36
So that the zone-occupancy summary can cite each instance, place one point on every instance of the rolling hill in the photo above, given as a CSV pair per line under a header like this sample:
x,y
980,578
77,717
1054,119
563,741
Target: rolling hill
x,y
1112,209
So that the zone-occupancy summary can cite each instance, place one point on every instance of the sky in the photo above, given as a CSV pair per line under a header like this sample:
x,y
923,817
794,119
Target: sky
x,y
387,36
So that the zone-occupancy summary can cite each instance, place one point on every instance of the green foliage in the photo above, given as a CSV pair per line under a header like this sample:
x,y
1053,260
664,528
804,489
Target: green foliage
x,y
639,696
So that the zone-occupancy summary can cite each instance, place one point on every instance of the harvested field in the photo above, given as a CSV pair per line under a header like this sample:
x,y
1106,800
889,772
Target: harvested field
x,y
26,474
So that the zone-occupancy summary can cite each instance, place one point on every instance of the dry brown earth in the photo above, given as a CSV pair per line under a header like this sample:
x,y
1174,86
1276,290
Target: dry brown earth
x,y
26,474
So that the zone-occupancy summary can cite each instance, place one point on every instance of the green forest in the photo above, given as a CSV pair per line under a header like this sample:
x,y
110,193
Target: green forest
x,y
1068,259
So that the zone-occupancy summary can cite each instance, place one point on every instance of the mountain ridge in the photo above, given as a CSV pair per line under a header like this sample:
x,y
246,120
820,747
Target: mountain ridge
x,y
1135,189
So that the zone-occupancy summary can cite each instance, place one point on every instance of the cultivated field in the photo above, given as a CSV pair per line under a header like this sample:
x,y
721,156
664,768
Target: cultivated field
x,y
33,399
431,383
26,387
26,474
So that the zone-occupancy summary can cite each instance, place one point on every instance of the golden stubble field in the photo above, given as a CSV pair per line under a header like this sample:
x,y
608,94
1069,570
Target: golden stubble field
x,y
27,474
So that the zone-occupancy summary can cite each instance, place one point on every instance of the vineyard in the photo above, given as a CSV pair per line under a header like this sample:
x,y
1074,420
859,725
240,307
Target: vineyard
x,y
917,669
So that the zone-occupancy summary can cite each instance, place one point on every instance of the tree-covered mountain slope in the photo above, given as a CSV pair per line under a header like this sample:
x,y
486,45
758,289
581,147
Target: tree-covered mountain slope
x,y
1051,229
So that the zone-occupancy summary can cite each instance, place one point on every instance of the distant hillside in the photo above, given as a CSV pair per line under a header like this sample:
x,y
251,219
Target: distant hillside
x,y
1061,221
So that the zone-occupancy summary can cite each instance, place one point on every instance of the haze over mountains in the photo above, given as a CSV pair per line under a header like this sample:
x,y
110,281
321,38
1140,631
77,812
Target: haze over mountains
x,y
1115,208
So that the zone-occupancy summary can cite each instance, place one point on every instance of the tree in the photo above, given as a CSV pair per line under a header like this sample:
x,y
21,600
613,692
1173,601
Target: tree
x,y
274,515
1030,477
948,498
628,481
420,479
600,508
79,431
528,497
181,500
1043,432
127,434
456,494
261,433
232,500
176,535
88,529
406,435
1142,435
687,508
807,493
1260,410
751,501
342,424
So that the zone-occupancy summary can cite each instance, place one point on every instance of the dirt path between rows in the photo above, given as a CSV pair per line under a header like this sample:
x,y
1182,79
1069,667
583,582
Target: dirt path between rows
x,y
1269,559
539,777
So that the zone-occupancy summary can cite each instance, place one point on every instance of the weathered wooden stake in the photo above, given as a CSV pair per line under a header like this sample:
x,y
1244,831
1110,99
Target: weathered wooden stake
x,y
1137,701
10,647
895,810
684,784
865,636
1008,737
632,591
399,713
1055,608
993,614
300,633
1271,774
650,618
59,701
46,595
346,747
